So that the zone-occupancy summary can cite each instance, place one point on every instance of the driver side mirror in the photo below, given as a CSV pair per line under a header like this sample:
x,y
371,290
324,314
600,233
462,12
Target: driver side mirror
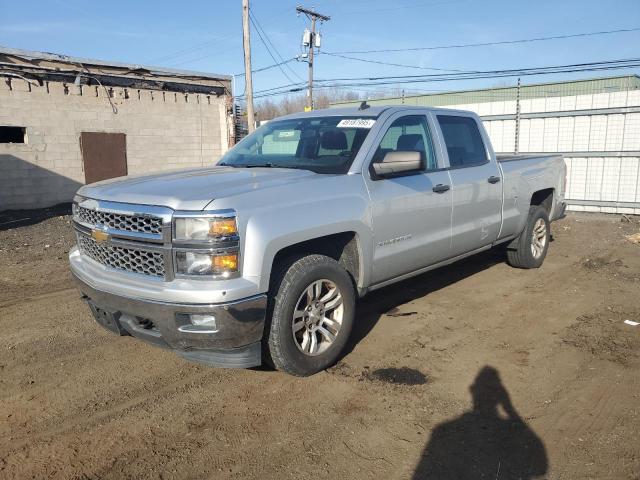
x,y
398,162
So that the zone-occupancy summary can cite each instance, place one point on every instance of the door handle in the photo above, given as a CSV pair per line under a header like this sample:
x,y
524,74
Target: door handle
x,y
493,179
440,188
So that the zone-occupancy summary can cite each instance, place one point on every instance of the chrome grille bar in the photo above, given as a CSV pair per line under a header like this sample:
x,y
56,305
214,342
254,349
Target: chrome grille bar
x,y
146,223
135,260
120,221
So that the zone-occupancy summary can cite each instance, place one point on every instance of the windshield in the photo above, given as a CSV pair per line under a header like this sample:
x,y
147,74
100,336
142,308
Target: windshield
x,y
320,144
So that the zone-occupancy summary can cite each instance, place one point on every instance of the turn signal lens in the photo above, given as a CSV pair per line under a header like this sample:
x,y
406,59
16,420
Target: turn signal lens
x,y
222,227
225,263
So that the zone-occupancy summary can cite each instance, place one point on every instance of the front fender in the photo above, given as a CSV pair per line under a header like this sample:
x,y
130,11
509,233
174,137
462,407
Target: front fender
x,y
270,231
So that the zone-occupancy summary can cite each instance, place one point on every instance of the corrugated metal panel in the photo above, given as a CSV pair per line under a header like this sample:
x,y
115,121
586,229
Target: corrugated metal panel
x,y
631,139
603,173
584,89
566,126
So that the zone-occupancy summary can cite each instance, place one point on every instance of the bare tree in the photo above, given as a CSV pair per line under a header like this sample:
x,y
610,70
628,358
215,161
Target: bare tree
x,y
269,108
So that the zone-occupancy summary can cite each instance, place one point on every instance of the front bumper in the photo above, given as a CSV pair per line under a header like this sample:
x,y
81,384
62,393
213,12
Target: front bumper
x,y
235,341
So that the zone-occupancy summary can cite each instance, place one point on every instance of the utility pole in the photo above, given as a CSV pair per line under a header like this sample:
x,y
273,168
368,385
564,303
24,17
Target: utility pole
x,y
248,85
517,139
310,41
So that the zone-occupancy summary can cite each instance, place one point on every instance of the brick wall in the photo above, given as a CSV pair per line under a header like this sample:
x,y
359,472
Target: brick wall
x,y
164,130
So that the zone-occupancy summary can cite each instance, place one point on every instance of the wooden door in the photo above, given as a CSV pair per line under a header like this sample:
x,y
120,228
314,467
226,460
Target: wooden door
x,y
104,155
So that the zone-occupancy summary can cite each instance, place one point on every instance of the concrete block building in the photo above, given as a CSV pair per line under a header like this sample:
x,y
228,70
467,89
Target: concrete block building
x,y
594,123
68,121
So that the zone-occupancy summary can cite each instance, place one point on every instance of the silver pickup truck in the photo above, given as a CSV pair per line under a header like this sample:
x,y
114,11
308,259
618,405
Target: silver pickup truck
x,y
261,257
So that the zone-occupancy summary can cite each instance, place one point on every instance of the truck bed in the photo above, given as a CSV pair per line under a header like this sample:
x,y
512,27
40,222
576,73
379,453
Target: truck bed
x,y
523,175
510,157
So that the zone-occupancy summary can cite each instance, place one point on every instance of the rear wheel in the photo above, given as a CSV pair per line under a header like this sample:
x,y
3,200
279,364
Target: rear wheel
x,y
313,305
530,248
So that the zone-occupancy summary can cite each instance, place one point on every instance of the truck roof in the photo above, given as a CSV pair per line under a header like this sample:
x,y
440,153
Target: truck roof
x,y
353,111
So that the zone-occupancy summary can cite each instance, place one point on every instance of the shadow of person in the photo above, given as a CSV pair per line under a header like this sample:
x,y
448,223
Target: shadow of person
x,y
484,442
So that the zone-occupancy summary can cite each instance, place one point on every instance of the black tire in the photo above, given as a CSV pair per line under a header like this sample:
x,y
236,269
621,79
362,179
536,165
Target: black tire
x,y
519,252
291,279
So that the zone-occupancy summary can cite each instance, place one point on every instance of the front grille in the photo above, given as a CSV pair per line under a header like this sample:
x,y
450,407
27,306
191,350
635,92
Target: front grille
x,y
120,221
123,258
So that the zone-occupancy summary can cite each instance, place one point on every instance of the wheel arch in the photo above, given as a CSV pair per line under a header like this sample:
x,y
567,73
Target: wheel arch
x,y
544,198
344,247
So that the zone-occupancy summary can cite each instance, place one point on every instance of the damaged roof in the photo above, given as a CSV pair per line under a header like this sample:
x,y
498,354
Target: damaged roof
x,y
44,66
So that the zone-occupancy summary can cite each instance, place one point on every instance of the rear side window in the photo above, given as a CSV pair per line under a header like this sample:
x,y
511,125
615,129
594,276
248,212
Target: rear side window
x,y
463,140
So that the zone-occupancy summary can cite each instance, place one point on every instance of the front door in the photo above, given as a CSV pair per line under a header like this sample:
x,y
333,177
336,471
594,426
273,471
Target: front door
x,y
475,185
104,155
411,221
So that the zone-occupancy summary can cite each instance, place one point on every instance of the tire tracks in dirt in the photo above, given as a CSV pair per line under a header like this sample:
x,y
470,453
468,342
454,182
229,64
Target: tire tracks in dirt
x,y
41,296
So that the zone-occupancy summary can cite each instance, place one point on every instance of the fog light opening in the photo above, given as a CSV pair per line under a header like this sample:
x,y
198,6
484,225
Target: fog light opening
x,y
203,320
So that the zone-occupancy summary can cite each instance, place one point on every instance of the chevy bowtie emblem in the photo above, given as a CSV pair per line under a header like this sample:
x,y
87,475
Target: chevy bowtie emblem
x,y
100,236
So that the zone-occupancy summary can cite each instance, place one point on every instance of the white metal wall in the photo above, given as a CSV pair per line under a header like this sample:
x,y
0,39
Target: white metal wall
x,y
601,143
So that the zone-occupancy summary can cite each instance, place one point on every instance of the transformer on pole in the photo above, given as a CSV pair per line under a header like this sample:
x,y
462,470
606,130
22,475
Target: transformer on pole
x,y
311,41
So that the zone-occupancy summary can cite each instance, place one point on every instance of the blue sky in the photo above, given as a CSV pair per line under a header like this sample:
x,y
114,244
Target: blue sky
x,y
206,35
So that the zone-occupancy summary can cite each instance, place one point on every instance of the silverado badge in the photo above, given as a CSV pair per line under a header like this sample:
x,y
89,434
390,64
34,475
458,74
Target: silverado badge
x,y
100,236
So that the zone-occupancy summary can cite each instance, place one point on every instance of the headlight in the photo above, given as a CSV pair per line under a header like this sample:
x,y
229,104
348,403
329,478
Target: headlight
x,y
74,206
206,244
204,229
206,263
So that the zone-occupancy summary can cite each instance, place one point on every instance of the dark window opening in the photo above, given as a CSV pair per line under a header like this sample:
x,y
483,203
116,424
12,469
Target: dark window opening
x,y
463,140
12,134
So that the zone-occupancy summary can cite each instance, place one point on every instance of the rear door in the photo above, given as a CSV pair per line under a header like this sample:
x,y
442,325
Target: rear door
x,y
475,183
104,155
411,221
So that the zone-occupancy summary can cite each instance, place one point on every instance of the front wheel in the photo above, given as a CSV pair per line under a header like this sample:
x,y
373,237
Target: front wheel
x,y
530,248
313,305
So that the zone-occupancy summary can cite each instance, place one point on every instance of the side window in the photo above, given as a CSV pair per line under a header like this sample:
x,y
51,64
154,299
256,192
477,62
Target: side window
x,y
408,134
463,140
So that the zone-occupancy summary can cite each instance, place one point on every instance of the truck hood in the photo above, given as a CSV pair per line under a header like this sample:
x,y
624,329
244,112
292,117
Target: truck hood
x,y
191,189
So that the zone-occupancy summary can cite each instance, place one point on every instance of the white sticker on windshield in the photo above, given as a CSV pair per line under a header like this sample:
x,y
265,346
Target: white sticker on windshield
x,y
356,123
286,133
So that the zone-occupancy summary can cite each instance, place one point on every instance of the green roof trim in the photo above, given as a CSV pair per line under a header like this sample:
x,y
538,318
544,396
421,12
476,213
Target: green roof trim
x,y
497,94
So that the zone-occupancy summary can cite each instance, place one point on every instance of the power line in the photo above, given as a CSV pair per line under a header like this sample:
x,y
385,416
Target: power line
x,y
501,75
208,55
266,46
340,54
406,79
193,48
490,72
204,45
269,67
366,60
273,47
403,79
335,54
487,44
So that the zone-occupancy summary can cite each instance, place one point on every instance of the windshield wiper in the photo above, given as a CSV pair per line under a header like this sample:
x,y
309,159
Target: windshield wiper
x,y
257,165
265,165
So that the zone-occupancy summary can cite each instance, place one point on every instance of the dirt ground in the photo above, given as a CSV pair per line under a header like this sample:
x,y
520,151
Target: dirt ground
x,y
477,370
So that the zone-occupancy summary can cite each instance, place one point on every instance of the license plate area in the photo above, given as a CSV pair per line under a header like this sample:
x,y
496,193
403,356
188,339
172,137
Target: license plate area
x,y
107,319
